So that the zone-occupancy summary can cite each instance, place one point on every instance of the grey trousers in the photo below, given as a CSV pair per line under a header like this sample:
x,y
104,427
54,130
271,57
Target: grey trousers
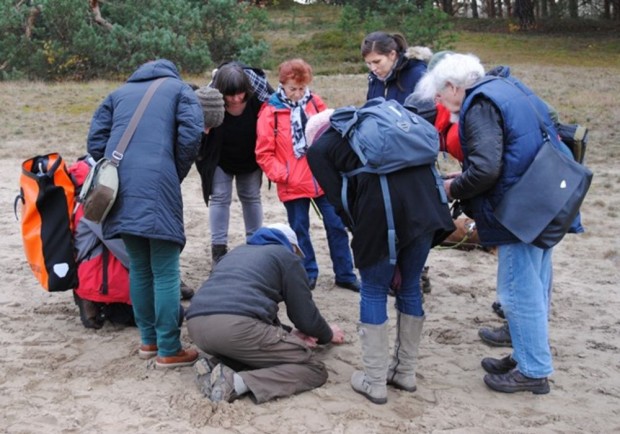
x,y
279,363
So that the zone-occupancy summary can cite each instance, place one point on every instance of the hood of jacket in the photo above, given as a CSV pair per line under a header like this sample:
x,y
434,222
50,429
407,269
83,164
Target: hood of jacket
x,y
155,69
266,236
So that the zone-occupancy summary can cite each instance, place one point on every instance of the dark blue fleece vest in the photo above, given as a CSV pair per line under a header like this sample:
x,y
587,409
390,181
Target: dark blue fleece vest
x,y
522,139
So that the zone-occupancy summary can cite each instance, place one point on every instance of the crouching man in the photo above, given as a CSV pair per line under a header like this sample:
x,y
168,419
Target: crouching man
x,y
234,318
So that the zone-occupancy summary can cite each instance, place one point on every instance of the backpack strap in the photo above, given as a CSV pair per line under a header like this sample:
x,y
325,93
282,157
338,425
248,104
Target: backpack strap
x,y
105,256
389,217
118,153
387,204
439,184
344,199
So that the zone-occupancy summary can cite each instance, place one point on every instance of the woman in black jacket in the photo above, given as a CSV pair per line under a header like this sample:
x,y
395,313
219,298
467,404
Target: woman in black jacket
x,y
227,155
421,220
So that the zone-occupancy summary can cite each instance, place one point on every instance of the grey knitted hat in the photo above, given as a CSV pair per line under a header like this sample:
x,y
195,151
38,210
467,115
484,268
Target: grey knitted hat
x,y
212,103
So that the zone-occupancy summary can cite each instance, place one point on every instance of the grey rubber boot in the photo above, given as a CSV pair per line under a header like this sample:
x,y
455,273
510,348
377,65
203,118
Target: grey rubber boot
x,y
371,382
217,252
401,373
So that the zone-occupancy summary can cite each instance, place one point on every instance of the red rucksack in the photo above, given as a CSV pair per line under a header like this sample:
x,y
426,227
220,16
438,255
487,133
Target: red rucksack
x,y
103,281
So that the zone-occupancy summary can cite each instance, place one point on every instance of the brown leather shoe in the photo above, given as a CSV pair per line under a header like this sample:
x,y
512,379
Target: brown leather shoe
x,y
147,351
182,358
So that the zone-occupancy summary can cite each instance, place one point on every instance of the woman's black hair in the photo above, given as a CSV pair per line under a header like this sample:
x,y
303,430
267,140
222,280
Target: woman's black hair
x,y
384,43
231,80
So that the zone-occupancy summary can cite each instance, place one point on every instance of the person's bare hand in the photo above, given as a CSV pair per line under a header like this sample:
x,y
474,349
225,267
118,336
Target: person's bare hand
x,y
446,187
338,335
310,341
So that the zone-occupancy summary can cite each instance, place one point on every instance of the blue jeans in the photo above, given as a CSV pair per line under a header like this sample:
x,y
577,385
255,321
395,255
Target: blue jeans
x,y
524,275
337,237
376,280
154,286
248,191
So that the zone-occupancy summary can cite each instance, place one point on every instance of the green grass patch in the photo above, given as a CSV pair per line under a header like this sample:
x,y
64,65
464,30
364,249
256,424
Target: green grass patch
x,y
547,49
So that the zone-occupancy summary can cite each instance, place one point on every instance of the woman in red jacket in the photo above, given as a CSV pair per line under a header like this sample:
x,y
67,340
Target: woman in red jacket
x,y
281,153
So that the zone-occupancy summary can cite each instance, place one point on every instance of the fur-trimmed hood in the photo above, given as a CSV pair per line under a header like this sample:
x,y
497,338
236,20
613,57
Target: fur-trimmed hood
x,y
421,53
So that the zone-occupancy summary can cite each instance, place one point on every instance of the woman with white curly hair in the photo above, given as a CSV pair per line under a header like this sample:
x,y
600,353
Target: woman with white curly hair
x,y
500,136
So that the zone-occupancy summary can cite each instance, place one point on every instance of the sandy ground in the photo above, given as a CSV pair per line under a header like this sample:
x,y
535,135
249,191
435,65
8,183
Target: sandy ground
x,y
56,376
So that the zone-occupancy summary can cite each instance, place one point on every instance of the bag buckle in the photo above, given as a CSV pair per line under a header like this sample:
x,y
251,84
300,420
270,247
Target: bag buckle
x,y
116,157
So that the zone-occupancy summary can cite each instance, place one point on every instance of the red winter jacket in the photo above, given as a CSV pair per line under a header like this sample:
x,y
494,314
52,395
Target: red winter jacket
x,y
448,133
274,150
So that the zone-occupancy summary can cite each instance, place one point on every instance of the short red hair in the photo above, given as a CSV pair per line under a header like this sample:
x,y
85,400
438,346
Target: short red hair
x,y
296,70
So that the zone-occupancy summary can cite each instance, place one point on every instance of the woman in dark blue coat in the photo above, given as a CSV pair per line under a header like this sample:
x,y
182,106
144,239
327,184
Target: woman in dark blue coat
x,y
148,212
394,69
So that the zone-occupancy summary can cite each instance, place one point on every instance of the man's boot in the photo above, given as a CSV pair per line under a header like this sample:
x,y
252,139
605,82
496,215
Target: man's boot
x,y
401,373
375,356
217,253
496,337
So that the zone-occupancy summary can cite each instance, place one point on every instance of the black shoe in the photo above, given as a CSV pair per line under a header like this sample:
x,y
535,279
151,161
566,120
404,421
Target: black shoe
x,y
425,281
218,251
498,366
497,308
352,286
312,283
90,312
515,381
186,292
498,337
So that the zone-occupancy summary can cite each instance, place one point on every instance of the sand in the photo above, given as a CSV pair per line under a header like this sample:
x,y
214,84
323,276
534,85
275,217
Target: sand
x,y
58,377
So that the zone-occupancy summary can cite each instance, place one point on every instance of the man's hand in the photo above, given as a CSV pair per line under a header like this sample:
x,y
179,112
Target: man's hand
x,y
446,187
308,340
338,337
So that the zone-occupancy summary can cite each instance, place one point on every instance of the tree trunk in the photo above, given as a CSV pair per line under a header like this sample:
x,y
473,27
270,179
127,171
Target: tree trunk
x,y
573,9
35,11
94,7
446,5
524,11
474,9
544,8
490,8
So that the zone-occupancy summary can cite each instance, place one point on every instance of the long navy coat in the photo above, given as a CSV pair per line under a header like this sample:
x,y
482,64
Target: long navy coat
x,y
159,156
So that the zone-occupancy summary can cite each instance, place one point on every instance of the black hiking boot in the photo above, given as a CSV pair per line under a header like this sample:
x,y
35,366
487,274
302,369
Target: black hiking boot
x,y
515,381
218,251
496,337
498,366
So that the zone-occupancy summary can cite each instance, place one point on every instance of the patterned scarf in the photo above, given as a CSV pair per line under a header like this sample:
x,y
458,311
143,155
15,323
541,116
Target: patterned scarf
x,y
298,120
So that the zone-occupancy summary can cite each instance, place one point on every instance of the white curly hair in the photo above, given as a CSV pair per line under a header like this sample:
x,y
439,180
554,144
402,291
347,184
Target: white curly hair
x,y
461,70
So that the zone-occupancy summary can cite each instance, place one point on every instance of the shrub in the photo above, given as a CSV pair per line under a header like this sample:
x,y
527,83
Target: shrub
x,y
66,42
421,25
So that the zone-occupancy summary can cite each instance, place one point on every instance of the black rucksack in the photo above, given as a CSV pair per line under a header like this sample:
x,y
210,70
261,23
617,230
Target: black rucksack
x,y
387,137
574,136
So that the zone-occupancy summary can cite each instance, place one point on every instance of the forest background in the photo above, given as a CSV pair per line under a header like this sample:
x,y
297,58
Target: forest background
x,y
88,39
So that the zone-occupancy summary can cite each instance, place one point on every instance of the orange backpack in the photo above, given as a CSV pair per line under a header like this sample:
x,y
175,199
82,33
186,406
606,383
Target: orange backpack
x,y
47,198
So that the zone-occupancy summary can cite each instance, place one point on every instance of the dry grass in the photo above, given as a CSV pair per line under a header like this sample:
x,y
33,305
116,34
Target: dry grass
x,y
39,117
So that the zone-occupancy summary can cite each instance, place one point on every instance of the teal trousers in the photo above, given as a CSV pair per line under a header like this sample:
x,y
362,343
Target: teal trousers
x,y
154,286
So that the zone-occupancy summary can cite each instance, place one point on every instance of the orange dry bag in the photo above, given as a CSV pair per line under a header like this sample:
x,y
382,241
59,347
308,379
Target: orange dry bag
x,y
47,198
